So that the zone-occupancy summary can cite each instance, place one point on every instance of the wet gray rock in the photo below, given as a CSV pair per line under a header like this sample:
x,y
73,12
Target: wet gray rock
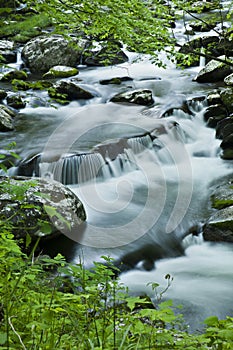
x,y
42,208
213,71
3,94
44,52
69,90
6,118
224,131
140,97
222,196
224,128
214,98
15,101
229,80
7,51
219,227
214,114
109,54
227,99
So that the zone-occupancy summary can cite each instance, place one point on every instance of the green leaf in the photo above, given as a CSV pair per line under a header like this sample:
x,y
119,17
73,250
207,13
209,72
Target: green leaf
x,y
28,240
45,227
211,321
3,338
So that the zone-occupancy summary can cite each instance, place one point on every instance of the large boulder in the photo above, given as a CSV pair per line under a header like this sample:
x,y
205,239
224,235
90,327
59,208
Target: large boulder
x,y
214,113
44,52
214,71
39,208
7,51
139,97
6,118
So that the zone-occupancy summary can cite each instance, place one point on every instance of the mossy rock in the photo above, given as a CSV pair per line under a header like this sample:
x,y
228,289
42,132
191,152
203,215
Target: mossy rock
x,y
16,101
43,208
61,72
214,71
219,227
14,74
222,196
227,154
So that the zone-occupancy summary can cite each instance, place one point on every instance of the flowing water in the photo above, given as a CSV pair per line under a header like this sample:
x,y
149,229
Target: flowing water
x,y
144,180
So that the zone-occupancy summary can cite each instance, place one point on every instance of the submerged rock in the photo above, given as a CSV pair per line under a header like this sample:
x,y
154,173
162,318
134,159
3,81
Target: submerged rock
x,y
140,97
115,80
6,118
42,208
44,52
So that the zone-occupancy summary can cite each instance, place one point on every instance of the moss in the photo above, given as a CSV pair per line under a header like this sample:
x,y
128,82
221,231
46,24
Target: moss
x,y
14,74
227,153
61,72
218,203
223,225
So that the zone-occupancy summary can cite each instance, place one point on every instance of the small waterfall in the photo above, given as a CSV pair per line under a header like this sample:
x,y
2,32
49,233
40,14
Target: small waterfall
x,y
202,60
139,143
75,169
81,168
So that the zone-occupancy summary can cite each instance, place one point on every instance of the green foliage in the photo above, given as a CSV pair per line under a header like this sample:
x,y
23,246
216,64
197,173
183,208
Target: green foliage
x,y
50,304
21,29
5,158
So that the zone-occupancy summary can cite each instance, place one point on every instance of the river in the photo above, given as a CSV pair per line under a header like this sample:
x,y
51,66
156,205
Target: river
x,y
145,199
